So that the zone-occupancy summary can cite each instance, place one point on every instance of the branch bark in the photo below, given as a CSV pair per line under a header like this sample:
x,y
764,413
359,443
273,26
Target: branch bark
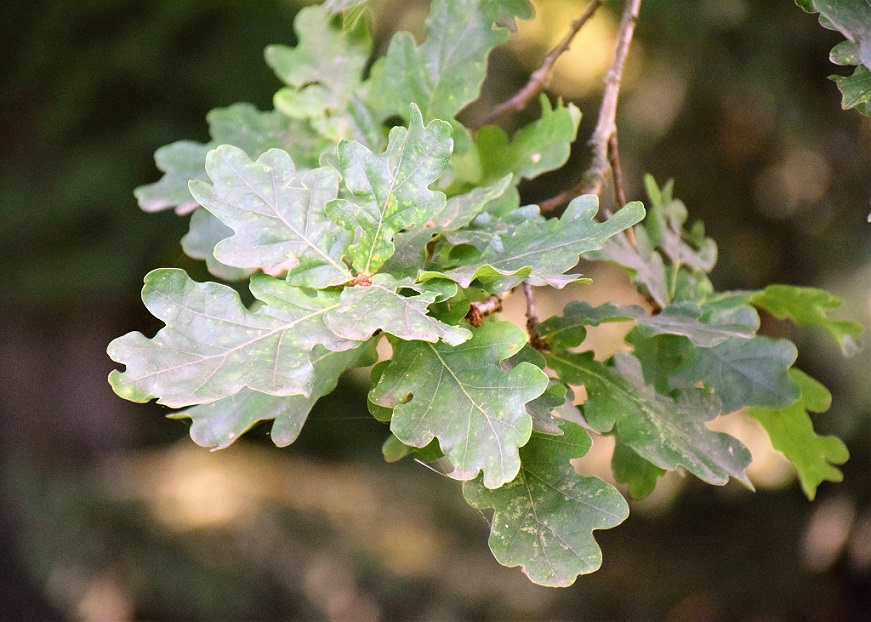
x,y
606,125
539,77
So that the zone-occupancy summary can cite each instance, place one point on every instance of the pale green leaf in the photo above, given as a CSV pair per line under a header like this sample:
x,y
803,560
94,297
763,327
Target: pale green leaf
x,y
462,396
391,189
544,518
814,457
213,347
240,125
199,243
384,305
743,372
445,73
542,252
220,423
323,71
541,146
856,90
277,214
665,431
809,306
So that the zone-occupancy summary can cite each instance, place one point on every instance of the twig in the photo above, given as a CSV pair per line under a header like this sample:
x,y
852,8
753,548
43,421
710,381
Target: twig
x,y
606,125
479,310
531,318
539,77
614,161
619,189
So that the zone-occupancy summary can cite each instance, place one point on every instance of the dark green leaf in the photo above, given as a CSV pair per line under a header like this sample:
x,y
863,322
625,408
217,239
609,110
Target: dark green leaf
x,y
631,469
544,518
462,396
542,252
678,319
541,146
743,372
665,431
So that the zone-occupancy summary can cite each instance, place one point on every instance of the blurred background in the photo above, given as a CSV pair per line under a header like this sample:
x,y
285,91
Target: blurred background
x,y
108,511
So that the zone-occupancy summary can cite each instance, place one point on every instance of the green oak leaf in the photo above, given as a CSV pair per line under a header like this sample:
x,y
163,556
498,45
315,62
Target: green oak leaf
x,y
462,396
213,347
855,90
544,519
851,18
677,319
743,372
808,306
665,226
814,457
542,252
665,431
637,473
199,243
382,305
241,125
461,209
277,214
541,146
445,73
323,71
504,12
391,189
644,263
218,424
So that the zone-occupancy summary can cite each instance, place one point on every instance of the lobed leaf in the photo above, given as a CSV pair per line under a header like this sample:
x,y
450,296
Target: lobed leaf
x,y
814,457
323,72
637,473
541,146
665,431
677,319
382,305
277,214
391,189
808,306
240,125
213,347
199,243
541,252
743,372
462,396
544,518
445,73
218,424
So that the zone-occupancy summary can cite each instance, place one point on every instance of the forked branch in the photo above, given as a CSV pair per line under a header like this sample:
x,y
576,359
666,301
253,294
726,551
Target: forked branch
x,y
606,125
538,79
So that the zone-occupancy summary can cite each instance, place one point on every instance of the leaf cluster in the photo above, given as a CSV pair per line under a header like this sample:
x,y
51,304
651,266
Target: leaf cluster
x,y
351,231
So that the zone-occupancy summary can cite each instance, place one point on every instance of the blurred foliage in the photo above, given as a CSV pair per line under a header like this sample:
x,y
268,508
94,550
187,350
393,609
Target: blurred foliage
x,y
729,97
